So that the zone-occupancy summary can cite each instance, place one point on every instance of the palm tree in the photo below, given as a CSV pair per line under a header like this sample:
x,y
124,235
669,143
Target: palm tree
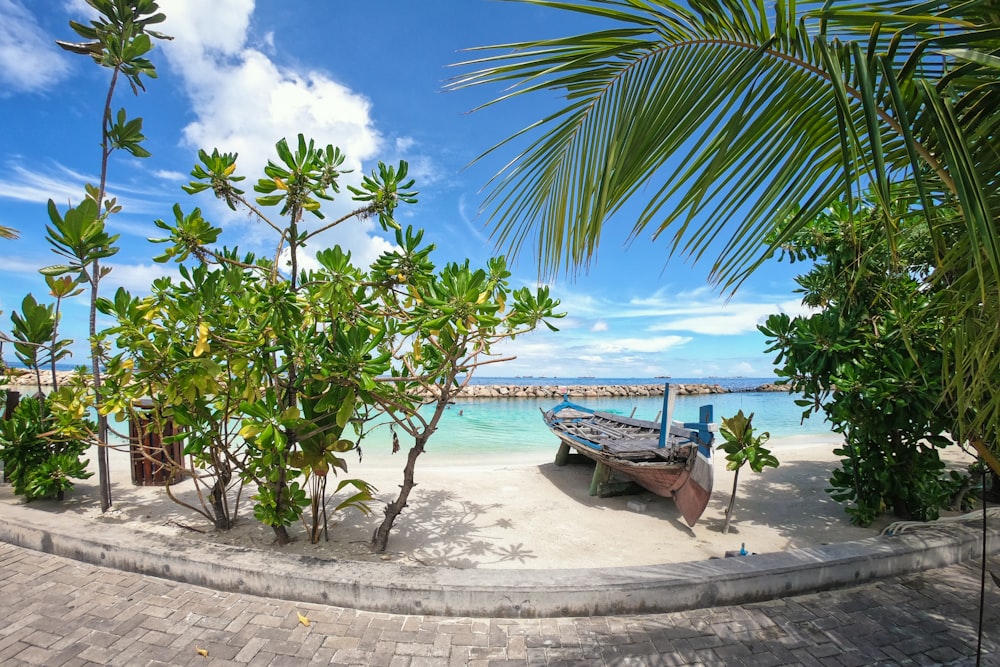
x,y
7,232
739,122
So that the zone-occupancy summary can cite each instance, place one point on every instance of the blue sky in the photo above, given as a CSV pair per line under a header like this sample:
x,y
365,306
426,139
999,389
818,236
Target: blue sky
x,y
366,76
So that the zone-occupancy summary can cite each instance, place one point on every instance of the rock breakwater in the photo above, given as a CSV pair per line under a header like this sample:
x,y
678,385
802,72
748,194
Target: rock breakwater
x,y
598,390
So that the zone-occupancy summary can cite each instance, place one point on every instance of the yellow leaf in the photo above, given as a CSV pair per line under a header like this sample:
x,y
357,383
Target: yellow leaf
x,y
483,297
228,171
280,184
203,652
202,346
302,619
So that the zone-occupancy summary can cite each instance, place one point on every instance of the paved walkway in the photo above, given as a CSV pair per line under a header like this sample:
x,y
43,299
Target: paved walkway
x,y
55,611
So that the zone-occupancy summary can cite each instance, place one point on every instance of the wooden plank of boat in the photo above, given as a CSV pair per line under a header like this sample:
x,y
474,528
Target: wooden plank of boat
x,y
693,496
677,466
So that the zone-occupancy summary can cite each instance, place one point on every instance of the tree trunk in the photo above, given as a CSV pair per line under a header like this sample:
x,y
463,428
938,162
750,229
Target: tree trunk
x,y
280,531
281,535
380,538
732,503
219,509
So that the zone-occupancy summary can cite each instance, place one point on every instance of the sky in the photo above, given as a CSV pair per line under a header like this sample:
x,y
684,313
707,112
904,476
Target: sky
x,y
367,76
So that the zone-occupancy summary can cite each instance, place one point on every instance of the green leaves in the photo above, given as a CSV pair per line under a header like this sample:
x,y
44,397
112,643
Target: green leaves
x,y
218,169
33,329
119,38
384,190
79,236
871,357
127,135
742,446
43,441
301,179
279,374
189,235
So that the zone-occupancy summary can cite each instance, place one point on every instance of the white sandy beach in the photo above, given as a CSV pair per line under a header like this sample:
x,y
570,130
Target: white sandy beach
x,y
519,512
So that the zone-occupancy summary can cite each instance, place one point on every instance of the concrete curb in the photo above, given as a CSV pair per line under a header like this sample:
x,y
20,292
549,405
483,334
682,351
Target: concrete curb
x,y
400,589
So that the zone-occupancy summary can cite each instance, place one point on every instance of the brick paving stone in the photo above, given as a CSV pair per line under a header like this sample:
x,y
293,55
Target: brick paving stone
x,y
82,614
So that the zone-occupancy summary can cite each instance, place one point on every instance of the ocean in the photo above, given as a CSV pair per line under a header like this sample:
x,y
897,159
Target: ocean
x,y
474,426
491,425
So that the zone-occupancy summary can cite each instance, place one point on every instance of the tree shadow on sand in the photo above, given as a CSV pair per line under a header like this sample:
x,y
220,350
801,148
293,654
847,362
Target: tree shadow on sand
x,y
791,500
439,528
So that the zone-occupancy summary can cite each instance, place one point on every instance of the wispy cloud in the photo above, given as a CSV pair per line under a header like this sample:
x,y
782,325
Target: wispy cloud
x,y
726,319
53,181
695,311
29,60
653,344
66,186
649,334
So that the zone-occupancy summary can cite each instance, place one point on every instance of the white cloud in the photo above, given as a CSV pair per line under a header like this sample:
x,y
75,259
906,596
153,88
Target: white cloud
x,y
29,59
169,175
136,278
724,319
244,102
66,187
56,182
469,219
640,345
697,311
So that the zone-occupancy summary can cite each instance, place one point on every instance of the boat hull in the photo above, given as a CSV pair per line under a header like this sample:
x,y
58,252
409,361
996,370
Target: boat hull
x,y
678,467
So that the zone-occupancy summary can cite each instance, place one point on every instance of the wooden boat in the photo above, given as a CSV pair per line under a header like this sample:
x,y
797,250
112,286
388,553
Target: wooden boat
x,y
671,459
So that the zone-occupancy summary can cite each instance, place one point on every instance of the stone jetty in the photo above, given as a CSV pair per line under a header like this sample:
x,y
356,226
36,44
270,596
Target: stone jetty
x,y
599,390
26,382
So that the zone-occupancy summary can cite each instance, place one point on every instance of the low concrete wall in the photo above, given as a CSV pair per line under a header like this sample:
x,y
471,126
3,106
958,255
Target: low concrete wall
x,y
497,593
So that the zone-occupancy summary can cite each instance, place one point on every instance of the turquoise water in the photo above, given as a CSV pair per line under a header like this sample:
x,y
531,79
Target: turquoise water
x,y
491,425
497,425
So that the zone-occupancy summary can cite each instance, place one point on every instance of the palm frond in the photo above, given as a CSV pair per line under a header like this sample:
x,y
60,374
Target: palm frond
x,y
730,122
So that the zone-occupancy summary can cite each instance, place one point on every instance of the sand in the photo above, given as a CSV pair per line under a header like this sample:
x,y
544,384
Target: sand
x,y
516,512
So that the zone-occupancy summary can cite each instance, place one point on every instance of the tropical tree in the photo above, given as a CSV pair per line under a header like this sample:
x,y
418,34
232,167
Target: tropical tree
x,y
119,39
741,121
743,447
275,373
43,437
259,364
869,357
450,320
